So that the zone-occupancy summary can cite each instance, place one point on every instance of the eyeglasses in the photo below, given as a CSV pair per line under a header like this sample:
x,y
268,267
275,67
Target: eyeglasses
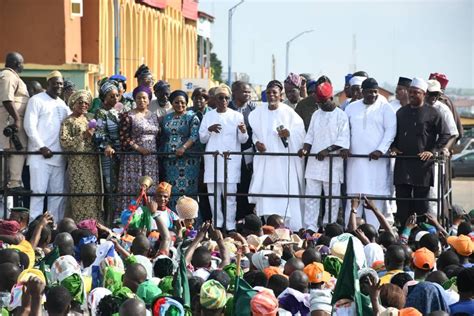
x,y
223,97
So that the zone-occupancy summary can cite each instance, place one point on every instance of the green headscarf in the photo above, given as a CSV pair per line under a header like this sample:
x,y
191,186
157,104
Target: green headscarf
x,y
75,286
148,291
113,278
332,265
166,285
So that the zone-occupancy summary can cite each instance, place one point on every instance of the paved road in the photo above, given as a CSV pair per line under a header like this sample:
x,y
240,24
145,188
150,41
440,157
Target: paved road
x,y
463,192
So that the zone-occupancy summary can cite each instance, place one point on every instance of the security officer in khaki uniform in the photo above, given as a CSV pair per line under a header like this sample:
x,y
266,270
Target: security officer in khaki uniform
x,y
13,99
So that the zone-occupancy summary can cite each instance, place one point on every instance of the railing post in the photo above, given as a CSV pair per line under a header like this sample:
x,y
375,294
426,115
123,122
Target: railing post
x,y
330,191
214,216
224,203
4,182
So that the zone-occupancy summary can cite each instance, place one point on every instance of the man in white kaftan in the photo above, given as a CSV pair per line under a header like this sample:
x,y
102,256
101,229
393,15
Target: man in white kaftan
x,y
432,99
223,130
43,118
277,174
373,126
328,132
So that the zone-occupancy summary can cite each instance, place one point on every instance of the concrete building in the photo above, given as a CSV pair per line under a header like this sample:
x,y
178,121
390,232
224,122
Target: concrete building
x,y
90,39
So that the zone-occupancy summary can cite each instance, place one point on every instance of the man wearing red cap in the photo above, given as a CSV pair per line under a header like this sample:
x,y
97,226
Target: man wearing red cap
x,y
443,80
331,122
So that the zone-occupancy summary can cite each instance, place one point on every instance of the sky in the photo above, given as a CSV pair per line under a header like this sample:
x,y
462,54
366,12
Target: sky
x,y
409,38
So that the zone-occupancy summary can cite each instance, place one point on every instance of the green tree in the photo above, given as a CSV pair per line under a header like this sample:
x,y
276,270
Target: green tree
x,y
216,66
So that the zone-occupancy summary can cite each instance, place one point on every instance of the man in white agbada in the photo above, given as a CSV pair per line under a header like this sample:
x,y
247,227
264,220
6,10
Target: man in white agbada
x,y
223,130
373,127
272,124
43,117
432,99
328,132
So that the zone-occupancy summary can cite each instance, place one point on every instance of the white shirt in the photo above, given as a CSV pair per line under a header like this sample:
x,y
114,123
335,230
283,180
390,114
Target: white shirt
x,y
396,105
327,129
43,119
229,139
373,127
448,117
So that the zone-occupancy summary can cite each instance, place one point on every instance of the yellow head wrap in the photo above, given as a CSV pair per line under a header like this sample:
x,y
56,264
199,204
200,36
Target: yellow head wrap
x,y
164,187
79,94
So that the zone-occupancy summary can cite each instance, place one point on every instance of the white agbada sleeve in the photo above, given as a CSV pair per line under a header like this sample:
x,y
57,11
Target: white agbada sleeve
x,y
390,128
344,133
241,137
30,123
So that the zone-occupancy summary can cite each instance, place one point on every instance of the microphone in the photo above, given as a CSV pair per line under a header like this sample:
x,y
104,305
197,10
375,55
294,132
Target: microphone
x,y
284,140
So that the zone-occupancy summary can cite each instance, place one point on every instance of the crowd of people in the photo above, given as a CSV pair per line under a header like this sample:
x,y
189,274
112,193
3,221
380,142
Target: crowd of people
x,y
176,247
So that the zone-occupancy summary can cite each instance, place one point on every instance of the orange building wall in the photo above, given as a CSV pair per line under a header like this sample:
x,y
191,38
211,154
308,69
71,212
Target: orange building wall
x,y
26,26
90,32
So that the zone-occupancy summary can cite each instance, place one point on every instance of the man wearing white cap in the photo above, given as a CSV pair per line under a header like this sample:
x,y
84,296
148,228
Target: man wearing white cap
x,y
420,132
43,117
223,130
373,124
432,99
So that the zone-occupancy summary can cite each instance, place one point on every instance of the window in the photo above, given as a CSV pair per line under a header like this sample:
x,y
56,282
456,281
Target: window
x,y
76,8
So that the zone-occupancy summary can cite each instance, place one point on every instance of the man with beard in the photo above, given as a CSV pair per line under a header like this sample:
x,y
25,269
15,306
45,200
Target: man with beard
x,y
420,132
44,115
331,122
241,103
373,126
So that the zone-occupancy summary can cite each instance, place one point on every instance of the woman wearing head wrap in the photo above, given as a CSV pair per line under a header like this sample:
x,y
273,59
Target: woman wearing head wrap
x,y
107,140
77,135
427,297
139,131
180,130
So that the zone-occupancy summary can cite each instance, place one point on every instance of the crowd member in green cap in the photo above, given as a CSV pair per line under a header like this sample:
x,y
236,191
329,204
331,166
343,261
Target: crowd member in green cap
x,y
166,285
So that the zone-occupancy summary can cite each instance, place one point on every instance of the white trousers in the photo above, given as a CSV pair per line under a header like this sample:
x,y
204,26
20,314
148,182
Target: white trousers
x,y
231,205
312,206
369,217
47,178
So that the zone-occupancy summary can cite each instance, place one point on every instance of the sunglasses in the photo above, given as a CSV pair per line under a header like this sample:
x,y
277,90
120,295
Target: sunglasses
x,y
222,98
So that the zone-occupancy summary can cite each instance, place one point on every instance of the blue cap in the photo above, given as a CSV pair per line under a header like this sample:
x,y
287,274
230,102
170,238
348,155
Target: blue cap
x,y
348,77
118,78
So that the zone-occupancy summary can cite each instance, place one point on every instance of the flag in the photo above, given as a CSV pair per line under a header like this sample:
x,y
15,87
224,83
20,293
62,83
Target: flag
x,y
182,285
242,296
47,262
347,285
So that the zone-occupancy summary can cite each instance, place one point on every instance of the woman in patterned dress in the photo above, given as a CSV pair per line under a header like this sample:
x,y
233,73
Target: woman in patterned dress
x,y
139,131
83,171
180,131
107,140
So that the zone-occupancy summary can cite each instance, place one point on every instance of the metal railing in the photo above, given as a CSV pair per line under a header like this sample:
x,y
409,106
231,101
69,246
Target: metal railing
x,y
443,195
